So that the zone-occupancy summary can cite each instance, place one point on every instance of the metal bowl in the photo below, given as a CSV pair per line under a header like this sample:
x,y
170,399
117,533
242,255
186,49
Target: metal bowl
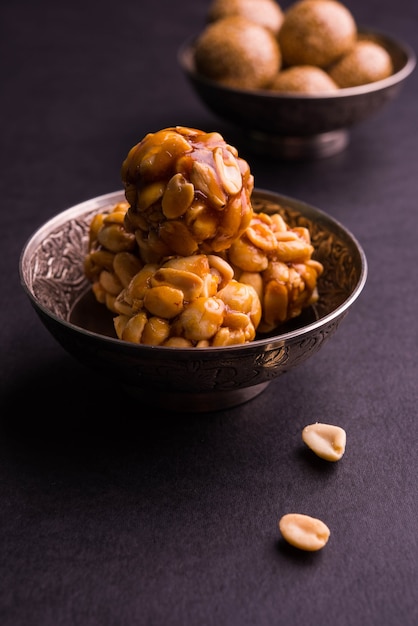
x,y
197,379
295,126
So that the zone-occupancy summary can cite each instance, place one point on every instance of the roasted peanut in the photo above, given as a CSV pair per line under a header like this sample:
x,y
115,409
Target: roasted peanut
x,y
229,337
177,197
110,283
202,318
164,301
178,238
201,222
278,223
275,305
197,264
125,266
254,279
241,298
247,256
115,238
295,251
115,217
188,282
150,194
99,292
95,226
151,248
140,283
228,170
221,269
326,440
155,332
96,261
204,179
261,236
304,532
130,328
178,342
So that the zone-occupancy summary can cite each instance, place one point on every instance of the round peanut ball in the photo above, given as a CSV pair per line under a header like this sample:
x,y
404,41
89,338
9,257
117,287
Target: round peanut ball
x,y
188,191
316,32
365,63
305,79
267,13
238,53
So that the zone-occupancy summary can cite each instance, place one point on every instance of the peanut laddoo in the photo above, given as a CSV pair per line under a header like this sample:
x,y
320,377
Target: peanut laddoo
x,y
267,13
307,79
365,63
185,261
188,191
277,261
316,32
237,53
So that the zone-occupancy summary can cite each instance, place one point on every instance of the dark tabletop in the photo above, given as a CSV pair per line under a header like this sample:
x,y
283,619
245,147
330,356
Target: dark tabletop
x,y
112,515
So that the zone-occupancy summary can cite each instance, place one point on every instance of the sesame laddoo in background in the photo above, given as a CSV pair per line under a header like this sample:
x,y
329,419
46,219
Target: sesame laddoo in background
x,y
307,79
366,62
316,32
267,13
238,53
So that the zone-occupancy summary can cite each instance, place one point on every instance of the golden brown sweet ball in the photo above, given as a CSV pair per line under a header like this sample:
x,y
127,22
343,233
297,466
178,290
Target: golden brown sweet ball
x,y
267,13
187,190
238,53
365,63
316,32
305,79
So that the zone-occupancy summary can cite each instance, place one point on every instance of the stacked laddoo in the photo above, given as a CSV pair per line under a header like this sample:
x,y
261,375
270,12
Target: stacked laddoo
x,y
312,47
185,261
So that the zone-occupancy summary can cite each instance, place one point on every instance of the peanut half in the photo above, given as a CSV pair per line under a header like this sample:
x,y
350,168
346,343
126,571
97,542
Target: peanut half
x,y
304,532
326,440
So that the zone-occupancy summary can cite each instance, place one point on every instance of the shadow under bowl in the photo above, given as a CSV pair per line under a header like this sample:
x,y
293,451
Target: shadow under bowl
x,y
298,126
51,270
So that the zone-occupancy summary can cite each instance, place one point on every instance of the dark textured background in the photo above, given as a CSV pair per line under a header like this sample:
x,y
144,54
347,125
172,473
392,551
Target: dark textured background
x,y
112,515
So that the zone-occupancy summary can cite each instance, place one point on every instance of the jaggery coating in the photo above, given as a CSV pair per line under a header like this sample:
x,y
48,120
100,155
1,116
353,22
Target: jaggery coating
x,y
188,191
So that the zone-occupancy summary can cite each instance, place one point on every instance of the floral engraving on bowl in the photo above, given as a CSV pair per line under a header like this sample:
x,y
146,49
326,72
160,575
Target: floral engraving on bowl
x,y
56,270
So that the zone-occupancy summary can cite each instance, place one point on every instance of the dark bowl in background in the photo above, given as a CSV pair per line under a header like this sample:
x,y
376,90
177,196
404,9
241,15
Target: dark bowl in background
x,y
296,126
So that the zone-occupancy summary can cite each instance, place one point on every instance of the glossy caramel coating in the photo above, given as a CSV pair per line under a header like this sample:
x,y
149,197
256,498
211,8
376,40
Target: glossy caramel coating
x,y
188,191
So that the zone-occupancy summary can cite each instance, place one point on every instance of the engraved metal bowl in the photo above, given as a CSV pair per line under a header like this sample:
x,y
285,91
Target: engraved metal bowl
x,y
298,126
194,379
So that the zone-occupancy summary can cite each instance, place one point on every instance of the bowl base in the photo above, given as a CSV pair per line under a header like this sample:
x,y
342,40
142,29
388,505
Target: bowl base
x,y
196,402
295,148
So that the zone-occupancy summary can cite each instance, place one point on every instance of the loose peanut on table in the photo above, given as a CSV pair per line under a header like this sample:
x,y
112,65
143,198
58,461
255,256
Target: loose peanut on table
x,y
303,531
325,440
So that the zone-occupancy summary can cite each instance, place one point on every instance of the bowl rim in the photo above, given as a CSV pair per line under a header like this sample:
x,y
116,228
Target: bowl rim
x,y
99,202
185,60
